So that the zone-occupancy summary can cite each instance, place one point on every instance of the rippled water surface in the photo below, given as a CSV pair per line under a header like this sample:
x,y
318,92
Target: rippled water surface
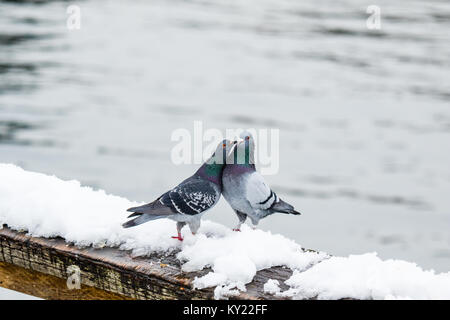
x,y
364,115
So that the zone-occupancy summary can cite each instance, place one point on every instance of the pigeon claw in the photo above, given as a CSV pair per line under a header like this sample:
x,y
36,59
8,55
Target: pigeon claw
x,y
237,230
178,237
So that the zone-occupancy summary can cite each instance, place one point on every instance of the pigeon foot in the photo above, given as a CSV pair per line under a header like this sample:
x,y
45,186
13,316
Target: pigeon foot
x,y
237,230
179,237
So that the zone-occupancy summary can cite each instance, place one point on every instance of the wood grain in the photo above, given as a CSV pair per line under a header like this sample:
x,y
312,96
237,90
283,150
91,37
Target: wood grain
x,y
39,266
48,287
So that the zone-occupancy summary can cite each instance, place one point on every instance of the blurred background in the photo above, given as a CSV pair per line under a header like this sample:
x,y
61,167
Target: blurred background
x,y
363,114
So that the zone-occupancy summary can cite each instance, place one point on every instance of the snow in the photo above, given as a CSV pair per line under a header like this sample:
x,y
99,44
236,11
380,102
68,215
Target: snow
x,y
367,276
238,255
272,286
47,206
226,291
222,291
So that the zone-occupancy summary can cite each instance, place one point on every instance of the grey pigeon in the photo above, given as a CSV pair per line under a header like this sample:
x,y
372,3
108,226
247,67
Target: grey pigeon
x,y
187,202
245,189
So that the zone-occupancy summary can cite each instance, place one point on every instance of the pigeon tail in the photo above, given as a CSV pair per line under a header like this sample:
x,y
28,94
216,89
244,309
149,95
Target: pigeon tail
x,y
134,214
284,207
294,212
154,208
142,218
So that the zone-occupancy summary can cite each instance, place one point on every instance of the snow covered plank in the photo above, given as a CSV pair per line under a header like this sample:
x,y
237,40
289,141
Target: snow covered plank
x,y
40,267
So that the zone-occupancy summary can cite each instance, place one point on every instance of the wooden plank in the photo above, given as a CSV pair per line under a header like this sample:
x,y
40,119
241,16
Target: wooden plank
x,y
40,267
48,287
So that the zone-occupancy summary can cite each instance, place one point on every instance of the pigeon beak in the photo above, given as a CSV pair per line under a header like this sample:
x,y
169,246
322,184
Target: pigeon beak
x,y
231,148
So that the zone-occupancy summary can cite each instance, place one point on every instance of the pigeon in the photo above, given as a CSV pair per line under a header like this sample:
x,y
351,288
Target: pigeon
x,y
187,202
245,189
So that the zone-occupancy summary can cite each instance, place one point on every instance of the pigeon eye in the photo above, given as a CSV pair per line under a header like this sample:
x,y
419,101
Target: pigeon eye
x,y
247,138
224,145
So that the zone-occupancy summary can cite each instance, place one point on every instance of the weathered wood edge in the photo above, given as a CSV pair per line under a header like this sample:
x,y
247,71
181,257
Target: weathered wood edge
x,y
113,272
48,287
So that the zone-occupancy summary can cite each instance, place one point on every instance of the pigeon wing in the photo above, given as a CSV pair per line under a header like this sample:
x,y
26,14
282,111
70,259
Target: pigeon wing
x,y
193,197
258,192
156,208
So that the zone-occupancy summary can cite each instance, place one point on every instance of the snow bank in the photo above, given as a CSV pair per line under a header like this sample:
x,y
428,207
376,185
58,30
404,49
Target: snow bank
x,y
47,206
366,276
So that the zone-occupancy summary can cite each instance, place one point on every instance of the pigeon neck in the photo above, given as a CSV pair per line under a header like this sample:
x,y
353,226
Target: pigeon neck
x,y
244,156
211,172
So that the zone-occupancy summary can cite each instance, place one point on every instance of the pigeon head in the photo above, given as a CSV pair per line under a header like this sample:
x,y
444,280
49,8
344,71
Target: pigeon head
x,y
246,135
213,167
244,153
224,148
248,139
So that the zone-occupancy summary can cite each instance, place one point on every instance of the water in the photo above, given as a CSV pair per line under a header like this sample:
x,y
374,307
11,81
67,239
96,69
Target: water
x,y
6,294
364,114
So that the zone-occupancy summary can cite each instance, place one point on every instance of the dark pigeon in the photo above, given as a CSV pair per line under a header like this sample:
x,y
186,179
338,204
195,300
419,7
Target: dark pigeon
x,y
187,202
